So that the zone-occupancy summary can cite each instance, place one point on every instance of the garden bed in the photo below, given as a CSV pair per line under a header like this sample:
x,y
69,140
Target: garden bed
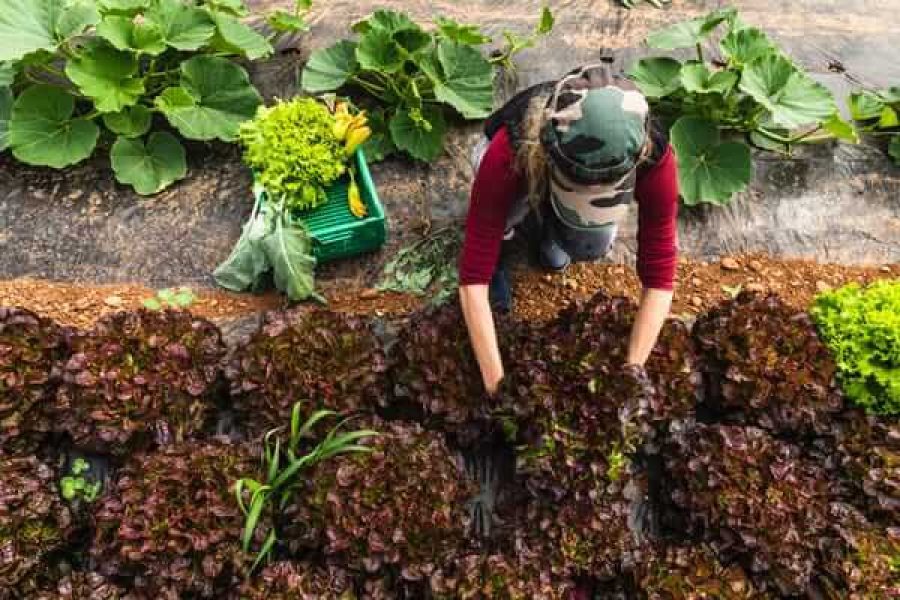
x,y
581,472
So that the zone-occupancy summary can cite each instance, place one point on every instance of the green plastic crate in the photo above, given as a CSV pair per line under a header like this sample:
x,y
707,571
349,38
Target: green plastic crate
x,y
336,233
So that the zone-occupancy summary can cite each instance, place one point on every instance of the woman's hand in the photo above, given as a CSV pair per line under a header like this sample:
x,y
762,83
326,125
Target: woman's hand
x,y
652,313
476,308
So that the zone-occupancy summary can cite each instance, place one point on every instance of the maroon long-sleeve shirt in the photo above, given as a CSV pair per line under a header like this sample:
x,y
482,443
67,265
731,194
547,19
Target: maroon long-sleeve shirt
x,y
498,185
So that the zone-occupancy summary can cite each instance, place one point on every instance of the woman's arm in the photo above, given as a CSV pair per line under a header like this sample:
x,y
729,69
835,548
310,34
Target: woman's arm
x,y
657,194
495,188
476,309
651,316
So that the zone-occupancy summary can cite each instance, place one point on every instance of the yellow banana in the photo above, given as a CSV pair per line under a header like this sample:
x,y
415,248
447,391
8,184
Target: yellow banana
x,y
357,206
355,138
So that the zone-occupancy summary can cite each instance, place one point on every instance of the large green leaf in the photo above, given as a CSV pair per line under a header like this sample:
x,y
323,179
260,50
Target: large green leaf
x,y
745,45
421,136
148,168
214,98
457,32
888,118
386,20
330,68
656,77
233,36
183,27
841,129
865,105
6,102
697,78
379,145
464,80
791,96
131,122
246,265
378,51
233,7
124,6
289,251
708,170
31,25
77,16
8,72
42,130
894,148
106,75
124,33
545,25
689,33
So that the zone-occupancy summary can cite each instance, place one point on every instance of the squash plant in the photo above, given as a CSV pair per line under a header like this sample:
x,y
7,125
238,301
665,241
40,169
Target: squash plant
x,y
878,113
416,76
78,74
754,93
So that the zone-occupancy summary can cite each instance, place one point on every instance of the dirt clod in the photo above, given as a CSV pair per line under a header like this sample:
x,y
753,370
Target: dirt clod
x,y
730,264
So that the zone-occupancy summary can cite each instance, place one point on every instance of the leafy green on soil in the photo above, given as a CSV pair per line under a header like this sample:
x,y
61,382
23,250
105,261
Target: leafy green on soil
x,y
417,79
756,93
185,539
180,298
875,112
152,167
287,460
399,506
69,67
138,379
428,264
321,359
214,98
766,367
32,349
44,130
79,484
861,326
709,170
293,151
34,519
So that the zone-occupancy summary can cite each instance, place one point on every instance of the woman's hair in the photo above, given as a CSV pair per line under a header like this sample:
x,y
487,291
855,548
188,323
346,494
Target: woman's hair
x,y
531,157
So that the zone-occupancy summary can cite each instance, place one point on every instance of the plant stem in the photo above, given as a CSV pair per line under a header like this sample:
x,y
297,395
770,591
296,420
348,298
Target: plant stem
x,y
700,51
370,87
52,70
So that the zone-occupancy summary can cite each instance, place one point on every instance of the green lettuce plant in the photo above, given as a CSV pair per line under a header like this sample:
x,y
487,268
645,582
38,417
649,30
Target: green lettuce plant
x,y
79,484
750,93
418,78
861,326
878,113
292,147
78,74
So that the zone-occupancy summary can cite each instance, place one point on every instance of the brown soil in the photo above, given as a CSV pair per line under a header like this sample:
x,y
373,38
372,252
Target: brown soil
x,y
700,284
538,296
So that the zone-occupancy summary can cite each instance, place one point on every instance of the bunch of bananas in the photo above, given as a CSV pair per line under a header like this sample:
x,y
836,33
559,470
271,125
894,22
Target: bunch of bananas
x,y
353,131
350,129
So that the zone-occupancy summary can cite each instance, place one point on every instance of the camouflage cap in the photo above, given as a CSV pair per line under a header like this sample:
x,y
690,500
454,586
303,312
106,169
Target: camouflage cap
x,y
595,126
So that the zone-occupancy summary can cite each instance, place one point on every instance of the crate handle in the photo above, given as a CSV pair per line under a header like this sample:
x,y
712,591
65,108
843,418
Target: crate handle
x,y
344,236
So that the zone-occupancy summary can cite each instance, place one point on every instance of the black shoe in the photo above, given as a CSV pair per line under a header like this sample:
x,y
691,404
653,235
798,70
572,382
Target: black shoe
x,y
499,291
